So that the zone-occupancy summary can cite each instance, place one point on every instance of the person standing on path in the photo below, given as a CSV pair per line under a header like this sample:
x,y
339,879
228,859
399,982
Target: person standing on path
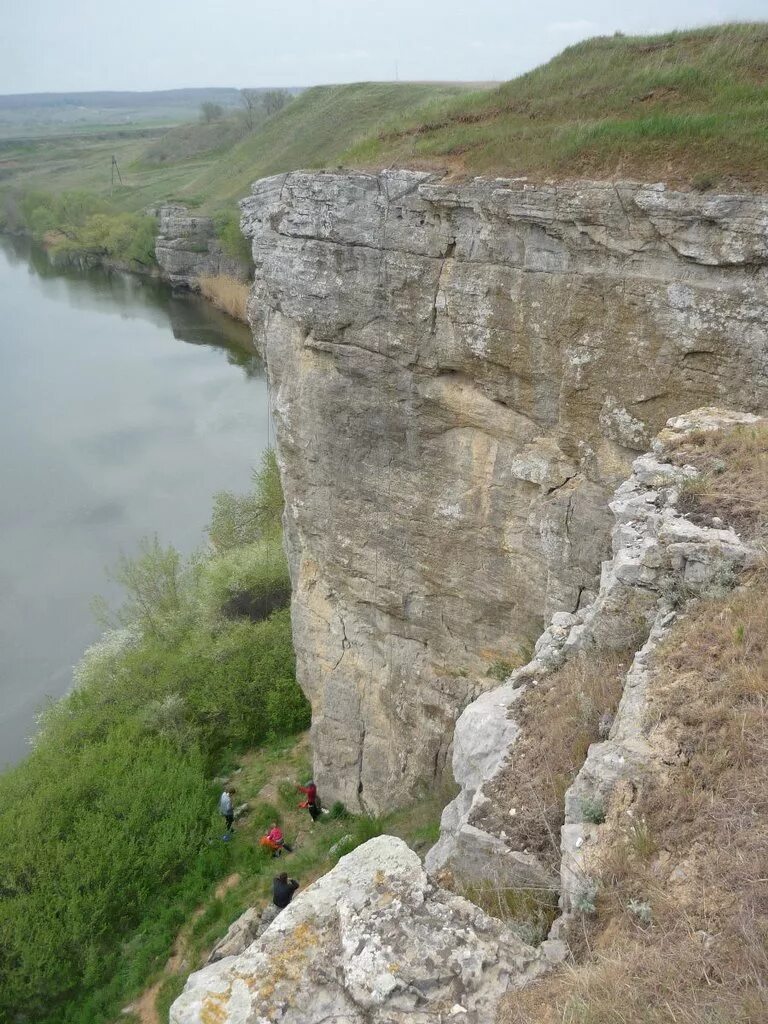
x,y
312,801
226,807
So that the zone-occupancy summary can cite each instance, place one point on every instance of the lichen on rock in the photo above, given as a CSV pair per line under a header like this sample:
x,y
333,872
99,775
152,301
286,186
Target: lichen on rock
x,y
372,942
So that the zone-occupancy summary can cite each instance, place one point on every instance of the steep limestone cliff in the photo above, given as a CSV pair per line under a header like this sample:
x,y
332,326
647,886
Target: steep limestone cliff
x,y
385,941
460,375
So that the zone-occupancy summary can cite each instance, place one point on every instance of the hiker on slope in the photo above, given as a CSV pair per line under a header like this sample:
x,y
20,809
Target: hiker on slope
x,y
227,808
311,801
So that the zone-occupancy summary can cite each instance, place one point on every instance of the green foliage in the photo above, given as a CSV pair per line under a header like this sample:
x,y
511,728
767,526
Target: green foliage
x,y
592,810
79,222
338,812
170,989
108,831
500,670
153,585
211,112
239,520
90,837
233,242
251,580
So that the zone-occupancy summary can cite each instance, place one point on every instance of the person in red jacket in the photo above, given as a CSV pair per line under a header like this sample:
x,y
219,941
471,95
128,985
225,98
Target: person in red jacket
x,y
312,801
275,841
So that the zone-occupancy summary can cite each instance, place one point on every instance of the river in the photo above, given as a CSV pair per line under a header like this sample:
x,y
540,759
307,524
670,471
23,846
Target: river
x,y
123,409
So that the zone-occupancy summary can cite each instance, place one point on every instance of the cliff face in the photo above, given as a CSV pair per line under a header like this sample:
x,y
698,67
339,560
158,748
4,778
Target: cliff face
x,y
460,376
187,249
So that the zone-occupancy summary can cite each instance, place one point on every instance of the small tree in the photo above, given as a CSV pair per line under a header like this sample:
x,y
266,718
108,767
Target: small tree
x,y
275,100
211,112
252,104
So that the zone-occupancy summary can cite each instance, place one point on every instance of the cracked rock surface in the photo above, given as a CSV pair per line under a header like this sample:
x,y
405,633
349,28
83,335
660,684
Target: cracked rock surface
x,y
460,376
187,249
371,942
658,553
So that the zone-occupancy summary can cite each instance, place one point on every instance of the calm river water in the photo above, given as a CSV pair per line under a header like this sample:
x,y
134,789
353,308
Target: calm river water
x,y
123,409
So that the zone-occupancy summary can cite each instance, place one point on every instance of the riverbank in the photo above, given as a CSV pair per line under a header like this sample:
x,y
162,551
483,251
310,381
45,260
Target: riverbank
x,y
127,406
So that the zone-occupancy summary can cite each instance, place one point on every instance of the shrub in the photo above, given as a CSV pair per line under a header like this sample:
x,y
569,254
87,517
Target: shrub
x,y
90,838
242,519
231,238
80,222
251,581
592,810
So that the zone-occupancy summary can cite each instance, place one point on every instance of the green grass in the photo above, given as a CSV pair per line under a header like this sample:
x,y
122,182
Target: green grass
x,y
671,107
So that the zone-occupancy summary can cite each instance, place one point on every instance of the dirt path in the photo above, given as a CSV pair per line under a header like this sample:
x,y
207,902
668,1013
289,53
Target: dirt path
x,y
144,1007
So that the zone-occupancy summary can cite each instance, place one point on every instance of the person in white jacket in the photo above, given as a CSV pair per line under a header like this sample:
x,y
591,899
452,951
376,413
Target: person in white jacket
x,y
227,808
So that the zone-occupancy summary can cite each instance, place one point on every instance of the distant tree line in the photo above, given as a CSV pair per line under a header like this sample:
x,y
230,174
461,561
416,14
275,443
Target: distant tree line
x,y
256,105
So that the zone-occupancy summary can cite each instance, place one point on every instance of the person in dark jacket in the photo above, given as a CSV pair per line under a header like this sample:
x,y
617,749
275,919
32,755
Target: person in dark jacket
x,y
283,889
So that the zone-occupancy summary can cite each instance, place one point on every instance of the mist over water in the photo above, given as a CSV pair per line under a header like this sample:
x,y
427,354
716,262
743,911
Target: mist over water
x,y
123,409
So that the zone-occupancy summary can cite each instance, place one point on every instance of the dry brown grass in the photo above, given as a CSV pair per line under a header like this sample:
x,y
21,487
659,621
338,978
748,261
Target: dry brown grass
x,y
734,481
227,294
558,720
697,853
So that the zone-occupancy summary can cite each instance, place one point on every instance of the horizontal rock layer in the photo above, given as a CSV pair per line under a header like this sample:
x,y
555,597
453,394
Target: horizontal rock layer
x,y
460,376
187,249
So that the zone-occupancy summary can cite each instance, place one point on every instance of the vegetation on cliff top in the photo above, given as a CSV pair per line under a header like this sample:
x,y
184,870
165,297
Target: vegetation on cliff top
x,y
108,830
689,108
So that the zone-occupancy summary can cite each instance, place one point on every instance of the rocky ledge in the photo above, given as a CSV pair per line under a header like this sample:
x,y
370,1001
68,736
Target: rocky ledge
x,y
187,249
661,560
372,942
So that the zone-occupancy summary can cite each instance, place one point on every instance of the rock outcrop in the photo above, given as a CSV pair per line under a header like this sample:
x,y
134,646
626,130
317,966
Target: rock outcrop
x,y
460,376
187,249
372,942
660,559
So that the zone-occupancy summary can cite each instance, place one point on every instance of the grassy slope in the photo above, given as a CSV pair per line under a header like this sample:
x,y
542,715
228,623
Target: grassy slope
x,y
684,106
313,131
265,779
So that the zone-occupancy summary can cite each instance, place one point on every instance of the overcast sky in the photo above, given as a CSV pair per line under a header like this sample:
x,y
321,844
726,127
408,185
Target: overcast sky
x,y
65,45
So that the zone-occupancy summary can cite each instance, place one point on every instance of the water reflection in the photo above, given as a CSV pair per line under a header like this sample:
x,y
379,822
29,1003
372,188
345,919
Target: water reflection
x,y
123,409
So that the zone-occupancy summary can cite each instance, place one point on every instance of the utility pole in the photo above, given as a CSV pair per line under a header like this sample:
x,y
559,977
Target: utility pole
x,y
114,169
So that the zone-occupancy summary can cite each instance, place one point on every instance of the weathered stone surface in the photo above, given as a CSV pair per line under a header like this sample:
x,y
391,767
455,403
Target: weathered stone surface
x,y
460,376
240,935
372,942
187,249
657,551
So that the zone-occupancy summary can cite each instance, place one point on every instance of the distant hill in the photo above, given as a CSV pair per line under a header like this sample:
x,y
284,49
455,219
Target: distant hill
x,y
118,100
35,114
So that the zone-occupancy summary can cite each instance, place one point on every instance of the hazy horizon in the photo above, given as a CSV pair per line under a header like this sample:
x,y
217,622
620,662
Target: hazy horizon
x,y
49,48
